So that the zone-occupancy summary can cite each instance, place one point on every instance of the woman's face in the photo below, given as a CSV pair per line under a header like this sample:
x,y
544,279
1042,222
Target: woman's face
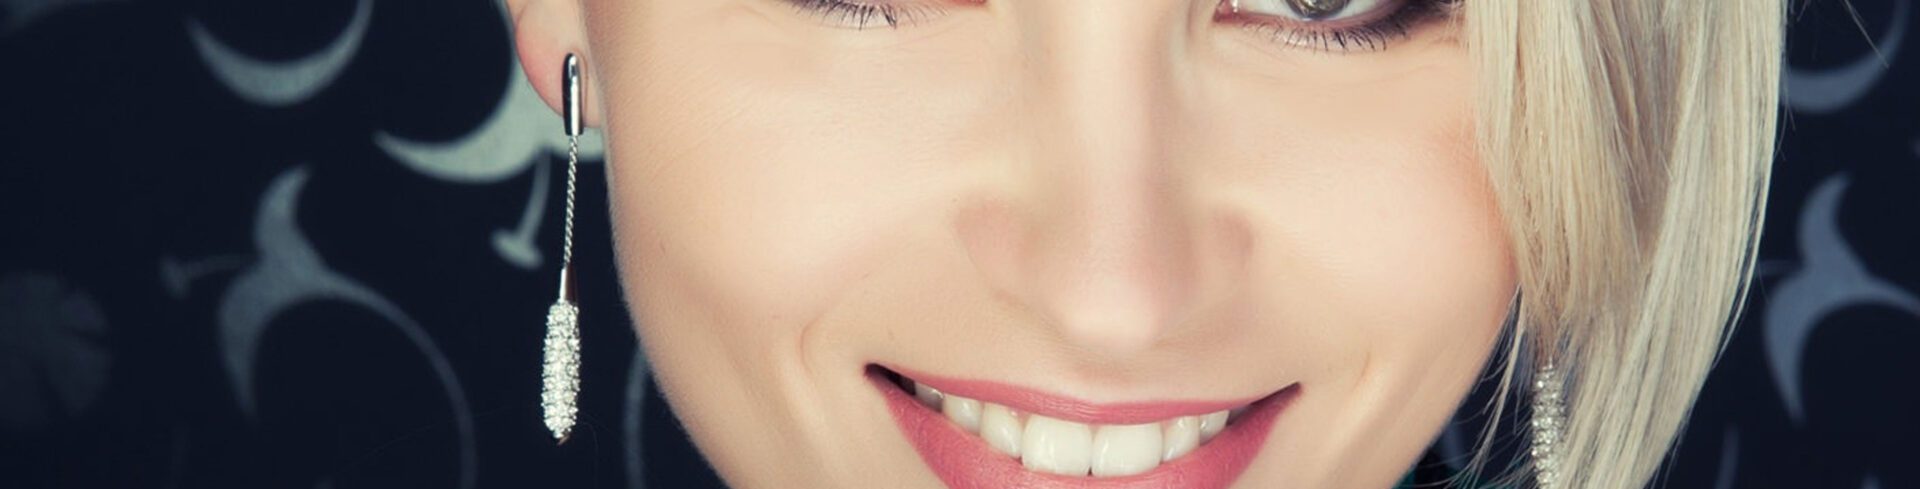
x,y
1090,223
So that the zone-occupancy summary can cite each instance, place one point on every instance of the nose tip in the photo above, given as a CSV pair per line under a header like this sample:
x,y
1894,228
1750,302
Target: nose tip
x,y
1117,291
1115,281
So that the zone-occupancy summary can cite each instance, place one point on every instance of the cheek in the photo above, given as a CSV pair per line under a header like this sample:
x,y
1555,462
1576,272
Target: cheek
x,y
1369,199
1380,241
728,136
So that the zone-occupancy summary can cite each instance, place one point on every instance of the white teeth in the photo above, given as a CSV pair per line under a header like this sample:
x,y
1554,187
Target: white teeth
x,y
1061,447
1001,428
1126,450
1182,434
1056,447
1211,424
927,395
964,412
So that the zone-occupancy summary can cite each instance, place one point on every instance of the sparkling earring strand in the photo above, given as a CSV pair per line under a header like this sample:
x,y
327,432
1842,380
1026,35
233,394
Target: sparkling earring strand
x,y
560,372
1548,427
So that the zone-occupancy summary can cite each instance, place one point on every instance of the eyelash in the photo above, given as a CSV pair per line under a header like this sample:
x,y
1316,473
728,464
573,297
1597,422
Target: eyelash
x,y
1368,35
861,15
1392,24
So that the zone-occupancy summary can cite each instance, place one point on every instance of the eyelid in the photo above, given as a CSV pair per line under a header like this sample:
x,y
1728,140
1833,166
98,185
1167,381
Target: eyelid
x,y
1369,30
1346,19
1346,14
864,14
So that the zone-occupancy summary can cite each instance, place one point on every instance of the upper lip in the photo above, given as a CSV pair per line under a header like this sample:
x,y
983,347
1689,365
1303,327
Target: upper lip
x,y
1033,401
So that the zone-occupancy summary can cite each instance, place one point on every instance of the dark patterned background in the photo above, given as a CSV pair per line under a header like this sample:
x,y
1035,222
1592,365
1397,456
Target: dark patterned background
x,y
309,243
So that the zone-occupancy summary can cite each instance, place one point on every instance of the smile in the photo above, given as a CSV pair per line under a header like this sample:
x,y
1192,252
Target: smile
x,y
980,434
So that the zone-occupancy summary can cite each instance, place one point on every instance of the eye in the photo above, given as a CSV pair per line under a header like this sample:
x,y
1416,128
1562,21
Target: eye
x,y
1333,25
862,14
1307,10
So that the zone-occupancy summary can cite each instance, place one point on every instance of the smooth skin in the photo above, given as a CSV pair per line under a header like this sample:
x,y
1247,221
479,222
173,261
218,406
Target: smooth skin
x,y
1114,201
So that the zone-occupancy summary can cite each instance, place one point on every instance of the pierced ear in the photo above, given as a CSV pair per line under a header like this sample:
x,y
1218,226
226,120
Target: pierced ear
x,y
544,32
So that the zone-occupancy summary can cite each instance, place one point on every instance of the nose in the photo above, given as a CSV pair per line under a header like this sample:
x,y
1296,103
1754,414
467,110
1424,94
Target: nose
x,y
1099,233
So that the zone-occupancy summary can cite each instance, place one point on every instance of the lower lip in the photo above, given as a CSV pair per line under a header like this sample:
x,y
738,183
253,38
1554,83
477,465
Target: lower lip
x,y
964,461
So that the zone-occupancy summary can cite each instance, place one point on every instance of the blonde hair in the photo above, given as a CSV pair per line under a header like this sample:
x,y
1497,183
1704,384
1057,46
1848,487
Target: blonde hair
x,y
1629,143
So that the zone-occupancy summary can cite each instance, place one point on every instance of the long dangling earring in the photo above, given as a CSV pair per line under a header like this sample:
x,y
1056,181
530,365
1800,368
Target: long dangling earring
x,y
560,373
1548,425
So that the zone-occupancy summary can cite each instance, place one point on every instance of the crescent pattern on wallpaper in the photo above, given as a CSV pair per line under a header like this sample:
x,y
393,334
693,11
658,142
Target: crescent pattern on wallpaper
x,y
289,272
1815,91
281,83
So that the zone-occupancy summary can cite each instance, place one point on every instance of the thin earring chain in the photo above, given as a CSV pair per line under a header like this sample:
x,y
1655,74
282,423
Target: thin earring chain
x,y
573,166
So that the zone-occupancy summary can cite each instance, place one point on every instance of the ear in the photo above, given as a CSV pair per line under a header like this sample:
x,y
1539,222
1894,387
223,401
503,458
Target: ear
x,y
544,32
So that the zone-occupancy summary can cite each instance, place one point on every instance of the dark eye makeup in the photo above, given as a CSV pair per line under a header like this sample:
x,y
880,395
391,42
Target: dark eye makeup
x,y
1334,26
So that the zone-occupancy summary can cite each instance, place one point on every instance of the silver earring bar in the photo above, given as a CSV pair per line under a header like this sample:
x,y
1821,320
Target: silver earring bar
x,y
560,372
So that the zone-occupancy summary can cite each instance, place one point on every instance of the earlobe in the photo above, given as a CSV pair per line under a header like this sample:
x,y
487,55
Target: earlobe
x,y
544,32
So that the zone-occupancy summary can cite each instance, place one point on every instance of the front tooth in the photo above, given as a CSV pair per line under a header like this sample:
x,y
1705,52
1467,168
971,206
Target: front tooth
x,y
1183,433
927,395
964,412
1126,450
1211,424
1000,428
1056,447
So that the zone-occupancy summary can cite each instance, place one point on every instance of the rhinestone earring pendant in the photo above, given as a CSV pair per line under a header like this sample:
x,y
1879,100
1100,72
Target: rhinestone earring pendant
x,y
560,372
1547,427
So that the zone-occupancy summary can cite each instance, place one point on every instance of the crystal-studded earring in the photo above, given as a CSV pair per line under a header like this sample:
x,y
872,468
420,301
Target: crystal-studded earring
x,y
1547,427
560,373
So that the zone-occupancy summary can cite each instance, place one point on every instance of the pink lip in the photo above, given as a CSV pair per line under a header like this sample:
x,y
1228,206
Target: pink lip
x,y
964,461
1058,407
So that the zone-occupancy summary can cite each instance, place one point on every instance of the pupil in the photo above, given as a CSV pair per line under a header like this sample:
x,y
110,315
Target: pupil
x,y
1317,9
